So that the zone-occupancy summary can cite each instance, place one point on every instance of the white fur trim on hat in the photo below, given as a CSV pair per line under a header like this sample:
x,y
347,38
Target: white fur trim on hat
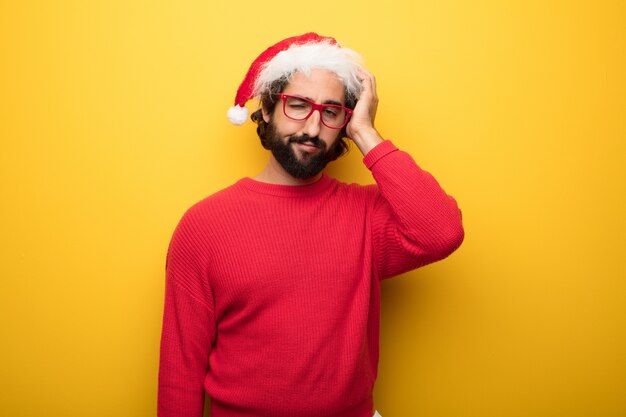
x,y
344,62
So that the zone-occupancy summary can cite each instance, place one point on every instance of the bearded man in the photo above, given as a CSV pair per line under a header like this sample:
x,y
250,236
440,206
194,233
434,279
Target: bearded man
x,y
273,284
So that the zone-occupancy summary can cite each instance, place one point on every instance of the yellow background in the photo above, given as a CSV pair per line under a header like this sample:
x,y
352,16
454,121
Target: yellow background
x,y
112,123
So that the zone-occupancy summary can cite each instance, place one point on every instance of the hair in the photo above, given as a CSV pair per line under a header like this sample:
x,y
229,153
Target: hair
x,y
268,100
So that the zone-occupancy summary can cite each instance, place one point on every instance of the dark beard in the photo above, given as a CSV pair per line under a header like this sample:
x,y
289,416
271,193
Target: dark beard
x,y
309,165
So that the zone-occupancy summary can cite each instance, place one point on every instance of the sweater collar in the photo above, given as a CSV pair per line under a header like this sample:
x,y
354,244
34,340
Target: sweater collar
x,y
290,191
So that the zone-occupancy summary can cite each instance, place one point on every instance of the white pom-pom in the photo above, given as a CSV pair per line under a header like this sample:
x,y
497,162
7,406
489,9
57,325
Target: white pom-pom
x,y
237,114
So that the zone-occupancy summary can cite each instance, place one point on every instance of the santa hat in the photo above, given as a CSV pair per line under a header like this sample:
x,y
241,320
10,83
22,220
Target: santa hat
x,y
296,54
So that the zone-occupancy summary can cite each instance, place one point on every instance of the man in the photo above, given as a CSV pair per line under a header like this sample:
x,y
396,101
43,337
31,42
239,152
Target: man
x,y
272,293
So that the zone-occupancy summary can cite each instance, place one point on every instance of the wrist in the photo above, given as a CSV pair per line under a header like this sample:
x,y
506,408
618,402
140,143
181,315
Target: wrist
x,y
366,139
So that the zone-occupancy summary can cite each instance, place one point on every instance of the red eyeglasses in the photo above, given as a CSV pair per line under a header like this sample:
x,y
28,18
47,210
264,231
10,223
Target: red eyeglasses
x,y
334,116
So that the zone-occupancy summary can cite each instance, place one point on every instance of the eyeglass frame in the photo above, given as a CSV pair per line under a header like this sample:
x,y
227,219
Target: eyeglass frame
x,y
315,106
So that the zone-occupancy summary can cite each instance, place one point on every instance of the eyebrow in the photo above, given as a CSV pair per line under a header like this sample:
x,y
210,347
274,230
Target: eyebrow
x,y
337,103
334,102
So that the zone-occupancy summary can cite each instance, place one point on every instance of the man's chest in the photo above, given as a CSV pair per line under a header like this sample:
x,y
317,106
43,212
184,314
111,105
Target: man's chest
x,y
285,256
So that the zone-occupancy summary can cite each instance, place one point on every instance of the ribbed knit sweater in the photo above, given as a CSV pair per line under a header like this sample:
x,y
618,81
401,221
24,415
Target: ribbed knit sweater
x,y
272,292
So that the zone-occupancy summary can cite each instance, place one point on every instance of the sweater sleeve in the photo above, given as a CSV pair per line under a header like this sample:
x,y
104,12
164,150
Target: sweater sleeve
x,y
414,221
188,327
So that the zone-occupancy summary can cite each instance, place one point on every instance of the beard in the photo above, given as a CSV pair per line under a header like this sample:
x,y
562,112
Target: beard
x,y
307,165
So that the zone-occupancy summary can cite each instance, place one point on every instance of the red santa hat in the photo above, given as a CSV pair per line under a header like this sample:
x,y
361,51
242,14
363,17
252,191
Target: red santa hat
x,y
296,54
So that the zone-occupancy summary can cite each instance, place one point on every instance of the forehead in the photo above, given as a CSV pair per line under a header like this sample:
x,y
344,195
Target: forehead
x,y
320,85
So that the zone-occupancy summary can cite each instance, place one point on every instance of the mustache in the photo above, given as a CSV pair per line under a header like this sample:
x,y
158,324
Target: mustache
x,y
306,138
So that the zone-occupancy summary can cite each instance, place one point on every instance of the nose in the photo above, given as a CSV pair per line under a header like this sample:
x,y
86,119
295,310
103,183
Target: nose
x,y
312,125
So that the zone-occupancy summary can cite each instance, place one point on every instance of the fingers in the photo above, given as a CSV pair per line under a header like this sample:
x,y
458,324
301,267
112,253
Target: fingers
x,y
369,95
368,81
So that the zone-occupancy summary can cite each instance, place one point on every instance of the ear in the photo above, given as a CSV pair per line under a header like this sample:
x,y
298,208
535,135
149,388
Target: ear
x,y
266,115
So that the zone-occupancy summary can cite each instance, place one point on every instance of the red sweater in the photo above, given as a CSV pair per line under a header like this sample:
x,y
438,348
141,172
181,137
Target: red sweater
x,y
272,293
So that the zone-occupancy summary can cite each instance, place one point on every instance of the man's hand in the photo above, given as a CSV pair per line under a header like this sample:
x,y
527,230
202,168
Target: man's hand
x,y
361,126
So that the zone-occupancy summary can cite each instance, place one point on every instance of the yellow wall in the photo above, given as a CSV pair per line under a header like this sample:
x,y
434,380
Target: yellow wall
x,y
112,123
